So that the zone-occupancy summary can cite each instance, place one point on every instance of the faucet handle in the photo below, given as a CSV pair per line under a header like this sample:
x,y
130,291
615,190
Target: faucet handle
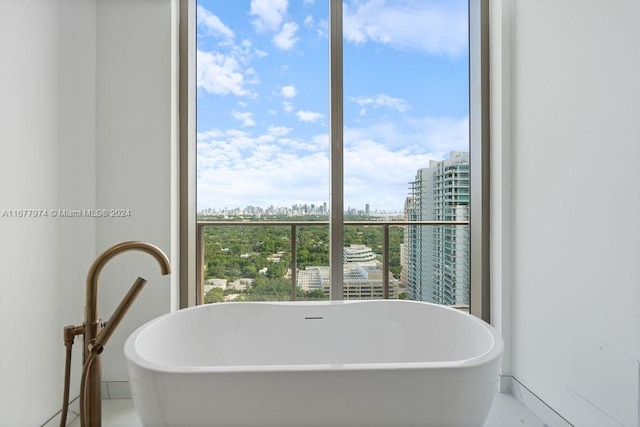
x,y
116,317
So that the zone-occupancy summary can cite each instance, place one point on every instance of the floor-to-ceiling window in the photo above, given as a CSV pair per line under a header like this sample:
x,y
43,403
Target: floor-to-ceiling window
x,y
266,127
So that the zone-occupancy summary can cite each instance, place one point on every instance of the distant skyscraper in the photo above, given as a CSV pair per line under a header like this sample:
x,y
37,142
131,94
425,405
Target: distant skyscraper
x,y
438,256
366,209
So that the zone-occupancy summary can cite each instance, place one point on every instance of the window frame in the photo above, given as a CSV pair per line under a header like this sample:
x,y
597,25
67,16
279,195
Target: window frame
x,y
479,154
479,134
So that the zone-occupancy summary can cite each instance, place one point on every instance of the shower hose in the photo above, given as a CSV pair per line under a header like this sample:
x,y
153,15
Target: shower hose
x,y
69,336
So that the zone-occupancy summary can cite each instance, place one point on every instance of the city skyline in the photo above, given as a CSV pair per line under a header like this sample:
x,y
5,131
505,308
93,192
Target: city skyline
x,y
321,208
262,82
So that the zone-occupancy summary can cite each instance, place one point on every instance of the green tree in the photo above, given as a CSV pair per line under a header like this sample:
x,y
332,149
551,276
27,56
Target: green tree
x,y
214,295
315,294
265,289
276,270
249,271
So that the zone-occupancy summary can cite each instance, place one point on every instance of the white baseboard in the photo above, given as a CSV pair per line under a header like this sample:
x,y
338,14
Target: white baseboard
x,y
504,384
532,402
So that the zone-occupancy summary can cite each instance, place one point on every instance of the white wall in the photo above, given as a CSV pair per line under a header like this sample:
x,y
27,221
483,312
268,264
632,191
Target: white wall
x,y
87,120
47,137
136,159
569,135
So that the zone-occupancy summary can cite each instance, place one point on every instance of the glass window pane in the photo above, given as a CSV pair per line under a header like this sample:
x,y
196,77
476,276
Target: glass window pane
x,y
262,109
406,137
262,144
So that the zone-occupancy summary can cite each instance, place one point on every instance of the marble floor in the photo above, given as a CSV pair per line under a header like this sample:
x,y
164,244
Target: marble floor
x,y
506,411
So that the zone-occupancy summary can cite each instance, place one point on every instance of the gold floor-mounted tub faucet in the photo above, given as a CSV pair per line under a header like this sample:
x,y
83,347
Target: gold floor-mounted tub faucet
x,y
96,333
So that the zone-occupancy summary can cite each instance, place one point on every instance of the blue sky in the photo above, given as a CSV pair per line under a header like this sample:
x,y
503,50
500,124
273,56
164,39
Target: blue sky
x,y
263,99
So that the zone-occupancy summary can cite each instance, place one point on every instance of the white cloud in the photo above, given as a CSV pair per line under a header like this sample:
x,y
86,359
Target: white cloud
x,y
260,53
288,91
379,175
279,130
236,168
225,70
299,145
308,21
378,167
213,25
422,135
322,28
209,135
246,118
222,74
263,140
437,26
287,106
445,134
270,14
382,100
286,38
309,116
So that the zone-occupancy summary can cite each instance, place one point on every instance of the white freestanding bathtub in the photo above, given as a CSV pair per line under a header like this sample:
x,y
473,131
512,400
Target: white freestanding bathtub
x,y
332,364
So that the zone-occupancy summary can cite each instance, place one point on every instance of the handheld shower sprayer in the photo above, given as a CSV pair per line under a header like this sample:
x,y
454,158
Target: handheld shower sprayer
x,y
96,334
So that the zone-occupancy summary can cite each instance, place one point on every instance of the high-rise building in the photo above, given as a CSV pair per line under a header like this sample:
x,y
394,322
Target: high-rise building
x,y
438,256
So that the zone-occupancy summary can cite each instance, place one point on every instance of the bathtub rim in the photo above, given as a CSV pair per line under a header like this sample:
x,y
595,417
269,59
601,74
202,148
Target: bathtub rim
x,y
494,351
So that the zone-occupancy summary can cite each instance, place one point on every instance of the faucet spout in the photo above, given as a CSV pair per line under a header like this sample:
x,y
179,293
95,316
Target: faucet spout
x,y
91,306
94,336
